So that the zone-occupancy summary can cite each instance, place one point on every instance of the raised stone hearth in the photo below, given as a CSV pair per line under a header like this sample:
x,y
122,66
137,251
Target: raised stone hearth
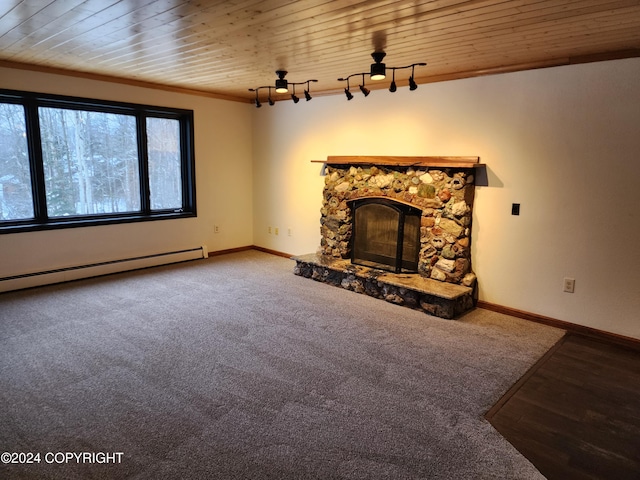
x,y
445,300
398,228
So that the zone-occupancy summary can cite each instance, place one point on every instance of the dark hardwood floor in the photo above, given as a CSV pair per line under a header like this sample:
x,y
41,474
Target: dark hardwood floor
x,y
576,413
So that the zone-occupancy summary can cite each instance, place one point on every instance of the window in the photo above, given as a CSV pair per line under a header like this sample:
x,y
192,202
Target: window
x,y
69,162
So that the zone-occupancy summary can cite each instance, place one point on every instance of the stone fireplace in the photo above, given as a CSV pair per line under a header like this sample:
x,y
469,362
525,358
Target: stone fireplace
x,y
398,228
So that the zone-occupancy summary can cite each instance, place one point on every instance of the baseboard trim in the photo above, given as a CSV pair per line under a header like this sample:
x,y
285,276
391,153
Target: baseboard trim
x,y
272,252
230,250
568,326
247,248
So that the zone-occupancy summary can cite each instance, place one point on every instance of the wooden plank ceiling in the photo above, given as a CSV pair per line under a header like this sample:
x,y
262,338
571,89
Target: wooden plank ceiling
x,y
223,48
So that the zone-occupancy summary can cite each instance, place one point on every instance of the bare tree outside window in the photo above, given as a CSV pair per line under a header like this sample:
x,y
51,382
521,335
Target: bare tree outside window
x,y
165,170
90,162
16,201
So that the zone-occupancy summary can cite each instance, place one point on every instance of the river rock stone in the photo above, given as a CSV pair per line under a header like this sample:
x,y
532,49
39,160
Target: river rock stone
x,y
469,280
451,227
426,178
438,242
459,208
437,274
342,187
444,195
427,191
446,265
427,221
448,252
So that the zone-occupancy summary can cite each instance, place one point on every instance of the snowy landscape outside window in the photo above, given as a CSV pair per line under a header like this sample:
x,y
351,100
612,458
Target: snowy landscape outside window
x,y
67,162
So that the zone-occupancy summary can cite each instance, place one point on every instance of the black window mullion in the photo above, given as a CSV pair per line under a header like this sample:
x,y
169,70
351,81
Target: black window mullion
x,y
34,142
143,164
188,173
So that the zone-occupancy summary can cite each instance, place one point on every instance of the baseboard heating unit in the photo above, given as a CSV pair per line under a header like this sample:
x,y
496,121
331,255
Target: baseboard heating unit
x,y
66,274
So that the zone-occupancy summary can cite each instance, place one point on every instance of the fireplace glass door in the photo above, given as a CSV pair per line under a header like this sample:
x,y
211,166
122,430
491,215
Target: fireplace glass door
x,y
385,235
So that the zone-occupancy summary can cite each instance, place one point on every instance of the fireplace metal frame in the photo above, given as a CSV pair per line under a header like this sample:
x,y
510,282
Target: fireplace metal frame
x,y
403,211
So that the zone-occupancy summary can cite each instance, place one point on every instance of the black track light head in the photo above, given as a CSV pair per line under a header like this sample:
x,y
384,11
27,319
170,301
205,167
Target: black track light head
x,y
256,101
271,102
412,82
393,87
365,91
294,97
307,96
348,94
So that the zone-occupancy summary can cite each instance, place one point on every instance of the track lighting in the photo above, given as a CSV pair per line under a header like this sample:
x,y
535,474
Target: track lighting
x,y
282,83
378,72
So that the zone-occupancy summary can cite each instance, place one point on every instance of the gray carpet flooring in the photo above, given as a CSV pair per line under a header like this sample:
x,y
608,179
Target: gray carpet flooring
x,y
235,368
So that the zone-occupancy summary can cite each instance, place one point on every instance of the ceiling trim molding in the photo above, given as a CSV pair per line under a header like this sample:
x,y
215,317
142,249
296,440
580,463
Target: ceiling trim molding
x,y
120,80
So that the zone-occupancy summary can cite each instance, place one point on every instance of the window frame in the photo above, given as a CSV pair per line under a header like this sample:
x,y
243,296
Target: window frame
x,y
31,101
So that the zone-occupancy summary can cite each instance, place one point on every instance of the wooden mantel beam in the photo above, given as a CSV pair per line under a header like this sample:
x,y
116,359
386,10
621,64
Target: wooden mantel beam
x,y
457,162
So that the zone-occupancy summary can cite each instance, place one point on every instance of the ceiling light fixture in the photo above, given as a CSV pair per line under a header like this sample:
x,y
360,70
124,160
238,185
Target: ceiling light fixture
x,y
378,69
378,72
393,87
256,101
294,97
412,83
307,95
364,89
346,90
282,85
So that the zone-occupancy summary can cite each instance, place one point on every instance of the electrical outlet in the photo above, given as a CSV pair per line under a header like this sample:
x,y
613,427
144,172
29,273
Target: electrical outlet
x,y
268,229
289,231
276,231
569,284
216,229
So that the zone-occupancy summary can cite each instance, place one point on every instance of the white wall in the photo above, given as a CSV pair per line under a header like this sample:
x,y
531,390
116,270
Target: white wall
x,y
223,185
563,142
